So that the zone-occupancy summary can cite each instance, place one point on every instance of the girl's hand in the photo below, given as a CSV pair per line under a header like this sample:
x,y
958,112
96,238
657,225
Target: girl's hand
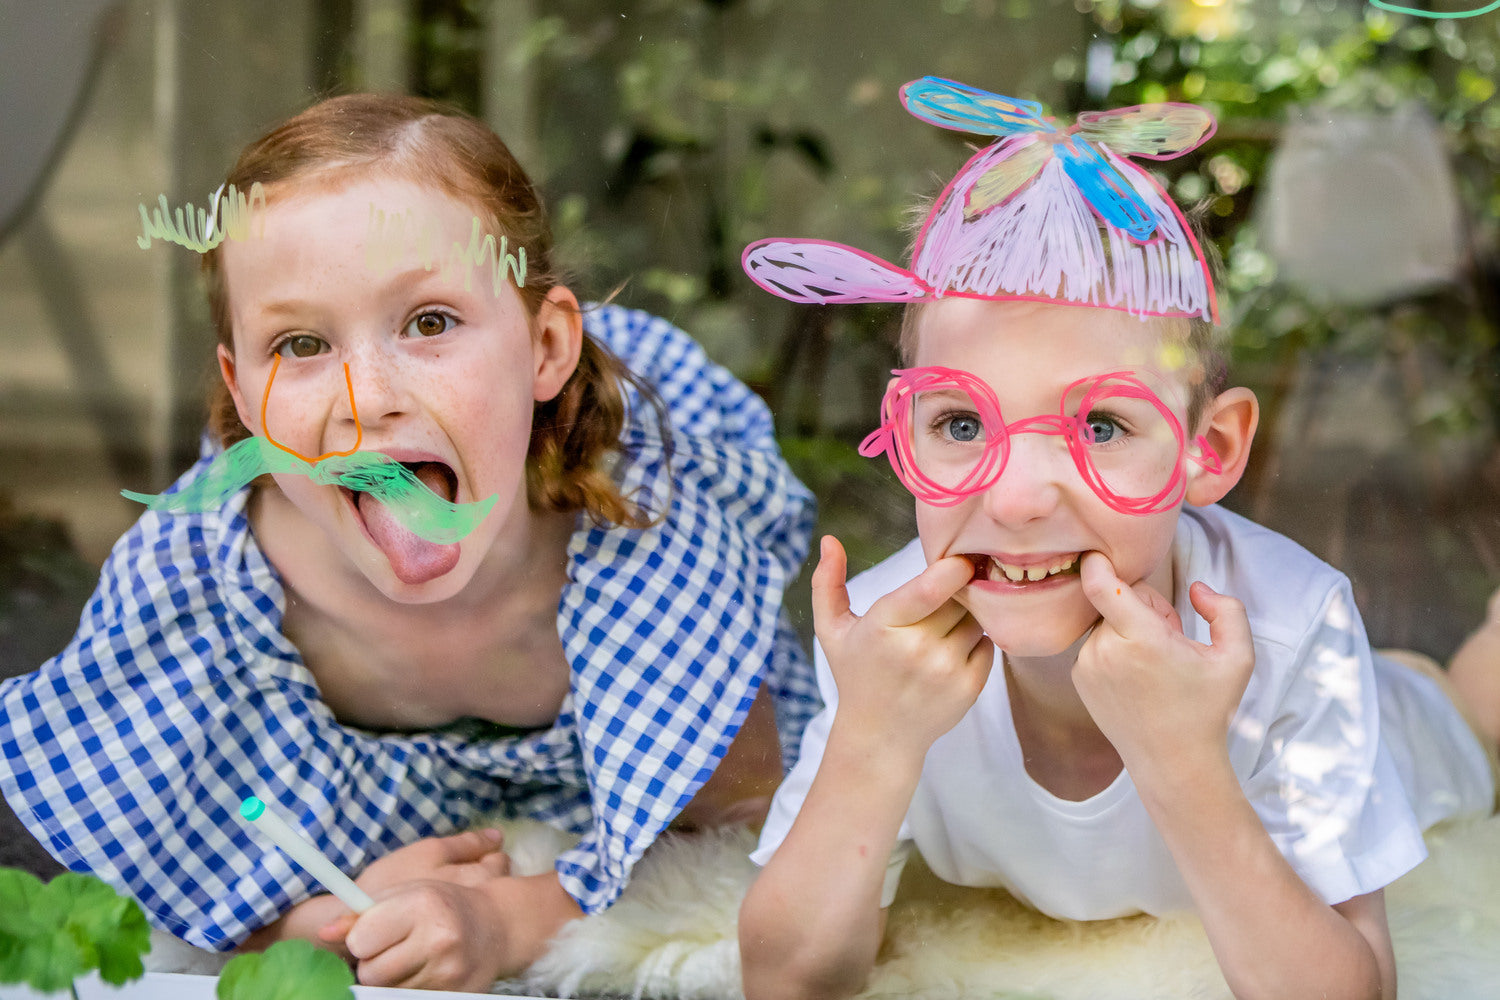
x,y
911,667
469,859
428,935
1157,695
444,935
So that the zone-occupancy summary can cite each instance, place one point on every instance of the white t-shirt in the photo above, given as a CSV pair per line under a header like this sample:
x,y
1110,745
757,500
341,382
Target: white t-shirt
x,y
1305,744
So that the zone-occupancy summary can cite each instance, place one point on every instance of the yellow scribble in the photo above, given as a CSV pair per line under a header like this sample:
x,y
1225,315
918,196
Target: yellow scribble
x,y
195,229
390,235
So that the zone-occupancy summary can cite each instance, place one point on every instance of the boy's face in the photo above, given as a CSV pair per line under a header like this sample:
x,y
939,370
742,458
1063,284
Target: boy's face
x,y
443,377
1040,516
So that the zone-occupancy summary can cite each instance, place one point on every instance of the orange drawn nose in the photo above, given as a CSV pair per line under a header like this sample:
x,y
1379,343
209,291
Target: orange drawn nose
x,y
359,432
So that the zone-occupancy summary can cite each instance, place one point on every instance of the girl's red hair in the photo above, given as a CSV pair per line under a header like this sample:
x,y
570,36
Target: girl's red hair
x,y
423,142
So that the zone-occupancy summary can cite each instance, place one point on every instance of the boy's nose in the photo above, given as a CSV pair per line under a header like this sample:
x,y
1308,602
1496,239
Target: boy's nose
x,y
1031,483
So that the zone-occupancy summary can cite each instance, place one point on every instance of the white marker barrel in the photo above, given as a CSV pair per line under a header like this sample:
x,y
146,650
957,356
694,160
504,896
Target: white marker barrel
x,y
276,830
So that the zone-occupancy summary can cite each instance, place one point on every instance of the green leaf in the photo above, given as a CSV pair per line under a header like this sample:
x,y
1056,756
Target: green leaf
x,y
23,911
111,929
51,934
288,970
47,962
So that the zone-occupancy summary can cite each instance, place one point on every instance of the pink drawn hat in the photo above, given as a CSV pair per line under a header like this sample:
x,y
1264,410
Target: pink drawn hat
x,y
1045,213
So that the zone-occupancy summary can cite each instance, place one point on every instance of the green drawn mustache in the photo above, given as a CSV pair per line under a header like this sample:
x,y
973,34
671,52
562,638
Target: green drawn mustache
x,y
417,508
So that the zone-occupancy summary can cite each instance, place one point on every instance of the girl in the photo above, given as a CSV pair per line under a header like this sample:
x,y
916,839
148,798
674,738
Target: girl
x,y
599,646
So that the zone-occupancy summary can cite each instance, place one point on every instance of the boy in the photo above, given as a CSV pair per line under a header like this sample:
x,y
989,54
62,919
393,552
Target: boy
x,y
1117,754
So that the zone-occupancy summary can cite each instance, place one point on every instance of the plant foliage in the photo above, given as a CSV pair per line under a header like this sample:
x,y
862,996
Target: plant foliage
x,y
51,933
288,970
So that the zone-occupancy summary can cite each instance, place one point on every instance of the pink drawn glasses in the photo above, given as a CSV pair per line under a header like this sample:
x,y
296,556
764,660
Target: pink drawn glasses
x,y
942,430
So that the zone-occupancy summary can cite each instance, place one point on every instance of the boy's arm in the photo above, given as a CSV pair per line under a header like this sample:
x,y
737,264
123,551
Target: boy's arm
x,y
906,672
812,921
1166,702
1272,935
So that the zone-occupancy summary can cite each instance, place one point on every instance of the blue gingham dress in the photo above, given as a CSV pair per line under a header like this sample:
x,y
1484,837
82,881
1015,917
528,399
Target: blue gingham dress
x,y
128,754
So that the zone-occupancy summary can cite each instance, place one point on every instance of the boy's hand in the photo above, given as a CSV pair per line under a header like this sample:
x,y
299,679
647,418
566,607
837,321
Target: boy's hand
x,y
1157,695
911,667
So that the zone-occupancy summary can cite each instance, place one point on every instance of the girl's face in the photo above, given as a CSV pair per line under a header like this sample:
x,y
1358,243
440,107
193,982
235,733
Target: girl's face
x,y
1040,516
444,369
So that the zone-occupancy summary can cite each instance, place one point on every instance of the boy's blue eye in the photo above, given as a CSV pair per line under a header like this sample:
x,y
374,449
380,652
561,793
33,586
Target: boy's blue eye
x,y
430,324
964,428
1101,428
303,345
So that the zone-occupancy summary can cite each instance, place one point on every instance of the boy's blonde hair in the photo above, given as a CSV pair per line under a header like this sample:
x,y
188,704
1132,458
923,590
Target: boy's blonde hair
x,y
426,143
1204,341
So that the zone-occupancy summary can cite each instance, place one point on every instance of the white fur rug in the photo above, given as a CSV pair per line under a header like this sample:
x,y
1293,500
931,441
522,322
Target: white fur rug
x,y
673,934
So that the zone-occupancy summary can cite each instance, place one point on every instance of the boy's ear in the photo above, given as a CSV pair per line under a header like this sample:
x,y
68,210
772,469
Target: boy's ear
x,y
1228,425
227,373
557,342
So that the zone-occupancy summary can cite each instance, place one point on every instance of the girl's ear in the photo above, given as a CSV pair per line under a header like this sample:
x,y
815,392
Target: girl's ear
x,y
1228,426
227,373
556,343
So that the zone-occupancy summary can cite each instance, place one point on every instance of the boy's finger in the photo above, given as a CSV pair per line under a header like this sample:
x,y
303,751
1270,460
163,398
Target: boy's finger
x,y
919,598
1114,599
1228,625
830,596
1159,605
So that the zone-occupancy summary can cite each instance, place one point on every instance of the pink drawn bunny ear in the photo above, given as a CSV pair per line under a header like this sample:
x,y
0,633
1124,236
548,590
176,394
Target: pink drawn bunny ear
x,y
819,272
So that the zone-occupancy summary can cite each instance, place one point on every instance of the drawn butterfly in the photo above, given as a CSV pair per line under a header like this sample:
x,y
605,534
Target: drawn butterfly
x,y
997,232
1158,132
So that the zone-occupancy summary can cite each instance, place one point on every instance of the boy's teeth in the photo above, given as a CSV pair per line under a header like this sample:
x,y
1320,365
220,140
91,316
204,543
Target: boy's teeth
x,y
1015,574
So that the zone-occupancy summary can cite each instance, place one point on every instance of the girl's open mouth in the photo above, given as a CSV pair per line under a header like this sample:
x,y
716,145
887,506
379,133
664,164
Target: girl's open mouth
x,y
438,477
413,559
989,570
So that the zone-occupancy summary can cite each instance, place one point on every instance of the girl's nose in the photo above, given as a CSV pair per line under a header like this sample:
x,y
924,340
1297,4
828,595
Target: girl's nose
x,y
379,388
1031,483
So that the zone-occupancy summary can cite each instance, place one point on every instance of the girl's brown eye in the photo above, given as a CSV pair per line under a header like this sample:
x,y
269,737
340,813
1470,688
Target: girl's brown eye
x,y
430,324
303,345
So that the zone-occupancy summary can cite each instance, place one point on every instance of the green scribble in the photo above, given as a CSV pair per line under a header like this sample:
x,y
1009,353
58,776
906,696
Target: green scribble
x,y
416,507
1445,14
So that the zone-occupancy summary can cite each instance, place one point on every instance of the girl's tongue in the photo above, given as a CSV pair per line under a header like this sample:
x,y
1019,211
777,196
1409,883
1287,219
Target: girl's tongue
x,y
413,559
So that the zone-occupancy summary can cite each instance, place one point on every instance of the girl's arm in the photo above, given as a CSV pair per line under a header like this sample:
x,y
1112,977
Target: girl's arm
x,y
906,673
448,915
442,935
468,859
1166,702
